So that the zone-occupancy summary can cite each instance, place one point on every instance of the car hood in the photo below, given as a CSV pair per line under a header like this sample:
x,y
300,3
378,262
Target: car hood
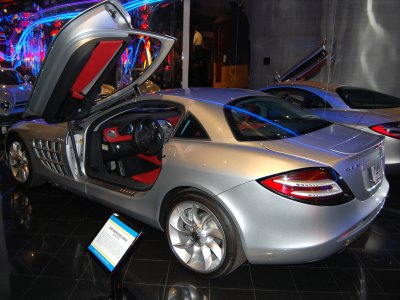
x,y
20,92
82,57
17,95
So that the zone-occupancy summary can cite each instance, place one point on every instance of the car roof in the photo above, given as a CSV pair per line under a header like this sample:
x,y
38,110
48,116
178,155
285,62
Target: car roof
x,y
312,84
207,106
212,95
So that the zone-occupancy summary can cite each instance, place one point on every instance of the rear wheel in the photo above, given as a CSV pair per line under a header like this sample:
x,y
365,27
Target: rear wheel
x,y
20,163
202,235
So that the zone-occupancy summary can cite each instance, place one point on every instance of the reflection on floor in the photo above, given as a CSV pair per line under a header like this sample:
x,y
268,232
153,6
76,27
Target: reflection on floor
x,y
44,233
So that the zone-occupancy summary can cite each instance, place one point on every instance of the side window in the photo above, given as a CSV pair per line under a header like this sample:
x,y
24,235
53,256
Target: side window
x,y
190,128
314,101
301,98
290,95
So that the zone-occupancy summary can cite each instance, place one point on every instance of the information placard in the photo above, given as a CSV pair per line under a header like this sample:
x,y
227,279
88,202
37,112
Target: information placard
x,y
113,241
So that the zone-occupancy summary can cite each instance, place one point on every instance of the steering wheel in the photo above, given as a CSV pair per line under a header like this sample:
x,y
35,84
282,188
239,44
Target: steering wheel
x,y
149,136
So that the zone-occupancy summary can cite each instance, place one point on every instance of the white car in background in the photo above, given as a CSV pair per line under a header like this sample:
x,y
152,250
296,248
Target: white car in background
x,y
14,95
364,109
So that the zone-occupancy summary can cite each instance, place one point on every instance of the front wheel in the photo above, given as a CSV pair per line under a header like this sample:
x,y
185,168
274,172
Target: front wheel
x,y
202,235
21,164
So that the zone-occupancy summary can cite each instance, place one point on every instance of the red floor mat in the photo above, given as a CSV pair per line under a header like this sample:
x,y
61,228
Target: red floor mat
x,y
147,177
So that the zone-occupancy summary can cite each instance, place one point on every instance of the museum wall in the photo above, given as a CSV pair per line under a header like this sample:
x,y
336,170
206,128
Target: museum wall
x,y
362,35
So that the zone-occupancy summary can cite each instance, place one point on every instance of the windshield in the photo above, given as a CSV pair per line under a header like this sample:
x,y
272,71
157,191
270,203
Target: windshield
x,y
267,118
10,77
365,99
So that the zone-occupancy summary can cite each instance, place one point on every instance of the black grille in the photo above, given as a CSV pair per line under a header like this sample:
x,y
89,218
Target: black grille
x,y
50,154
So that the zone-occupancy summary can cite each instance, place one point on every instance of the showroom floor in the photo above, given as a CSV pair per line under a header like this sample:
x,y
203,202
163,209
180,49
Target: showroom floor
x,y
44,233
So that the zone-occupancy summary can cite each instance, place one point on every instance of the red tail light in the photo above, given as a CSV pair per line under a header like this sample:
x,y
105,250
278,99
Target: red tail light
x,y
318,186
388,129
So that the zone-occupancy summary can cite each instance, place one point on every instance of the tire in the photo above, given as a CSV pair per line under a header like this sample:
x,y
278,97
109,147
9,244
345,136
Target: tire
x,y
20,163
202,235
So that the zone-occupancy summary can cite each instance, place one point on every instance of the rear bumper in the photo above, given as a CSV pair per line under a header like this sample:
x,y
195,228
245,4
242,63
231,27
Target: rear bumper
x,y
276,230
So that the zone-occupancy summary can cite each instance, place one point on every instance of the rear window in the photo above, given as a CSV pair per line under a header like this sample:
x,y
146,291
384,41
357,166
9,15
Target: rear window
x,y
10,77
267,118
365,99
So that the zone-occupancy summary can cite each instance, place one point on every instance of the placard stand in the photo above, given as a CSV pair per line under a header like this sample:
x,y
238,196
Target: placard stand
x,y
111,246
117,290
116,287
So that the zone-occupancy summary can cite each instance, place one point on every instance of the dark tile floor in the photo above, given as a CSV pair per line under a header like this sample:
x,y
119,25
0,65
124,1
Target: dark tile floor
x,y
44,233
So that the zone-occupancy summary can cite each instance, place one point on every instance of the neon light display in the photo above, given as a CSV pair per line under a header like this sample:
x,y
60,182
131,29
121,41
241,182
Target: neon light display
x,y
142,45
33,35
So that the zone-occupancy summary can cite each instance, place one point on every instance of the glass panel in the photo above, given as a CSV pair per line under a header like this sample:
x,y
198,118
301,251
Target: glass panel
x,y
137,57
165,17
362,98
301,98
10,77
262,118
191,128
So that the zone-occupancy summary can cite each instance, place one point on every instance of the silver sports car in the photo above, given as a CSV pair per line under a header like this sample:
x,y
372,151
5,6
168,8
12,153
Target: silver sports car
x,y
228,174
360,108
14,95
14,92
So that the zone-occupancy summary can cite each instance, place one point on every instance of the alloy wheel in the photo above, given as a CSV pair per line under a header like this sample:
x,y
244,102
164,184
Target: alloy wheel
x,y
196,236
19,163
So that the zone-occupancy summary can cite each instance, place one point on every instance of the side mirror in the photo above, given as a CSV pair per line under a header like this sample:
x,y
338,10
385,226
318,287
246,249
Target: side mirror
x,y
27,77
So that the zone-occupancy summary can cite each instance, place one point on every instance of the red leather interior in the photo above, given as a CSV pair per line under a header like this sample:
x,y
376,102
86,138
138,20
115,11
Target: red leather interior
x,y
173,120
97,61
148,177
118,138
250,126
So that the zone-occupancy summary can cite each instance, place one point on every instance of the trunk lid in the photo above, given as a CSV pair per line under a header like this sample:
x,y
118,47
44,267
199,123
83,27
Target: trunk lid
x,y
357,156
